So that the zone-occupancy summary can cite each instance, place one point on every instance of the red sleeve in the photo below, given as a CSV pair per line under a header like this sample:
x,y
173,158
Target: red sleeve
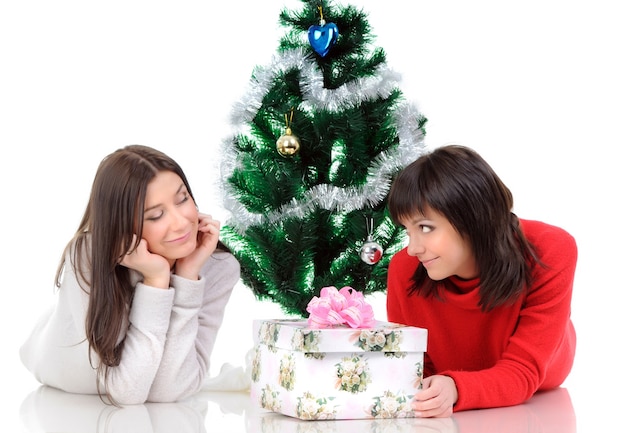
x,y
394,310
540,353
401,269
399,275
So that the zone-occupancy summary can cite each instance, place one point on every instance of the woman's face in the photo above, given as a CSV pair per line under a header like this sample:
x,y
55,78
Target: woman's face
x,y
170,220
439,247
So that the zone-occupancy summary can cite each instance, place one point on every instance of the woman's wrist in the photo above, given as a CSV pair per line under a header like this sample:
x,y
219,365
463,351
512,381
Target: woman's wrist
x,y
158,282
188,275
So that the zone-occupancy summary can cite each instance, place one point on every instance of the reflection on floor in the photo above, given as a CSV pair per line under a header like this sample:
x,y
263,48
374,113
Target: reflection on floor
x,y
50,410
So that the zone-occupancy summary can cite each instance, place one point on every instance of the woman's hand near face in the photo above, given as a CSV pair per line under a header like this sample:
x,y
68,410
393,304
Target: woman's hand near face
x,y
154,268
208,235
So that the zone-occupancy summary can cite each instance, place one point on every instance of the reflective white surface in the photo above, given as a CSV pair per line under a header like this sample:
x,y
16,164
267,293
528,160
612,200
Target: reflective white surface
x,y
49,410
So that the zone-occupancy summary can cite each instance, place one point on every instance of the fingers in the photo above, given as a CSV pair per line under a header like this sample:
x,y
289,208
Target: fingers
x,y
209,236
207,224
214,226
203,217
131,256
434,407
437,397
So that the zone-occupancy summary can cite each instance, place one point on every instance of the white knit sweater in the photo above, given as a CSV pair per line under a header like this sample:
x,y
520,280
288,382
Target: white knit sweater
x,y
168,340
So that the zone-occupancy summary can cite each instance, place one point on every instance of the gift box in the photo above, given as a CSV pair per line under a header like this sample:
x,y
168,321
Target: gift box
x,y
338,372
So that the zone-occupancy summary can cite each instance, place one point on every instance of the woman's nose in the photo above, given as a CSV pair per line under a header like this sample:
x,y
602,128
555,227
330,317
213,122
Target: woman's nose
x,y
178,219
415,247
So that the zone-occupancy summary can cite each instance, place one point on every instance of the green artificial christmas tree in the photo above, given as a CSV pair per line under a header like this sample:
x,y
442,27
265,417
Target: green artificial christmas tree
x,y
321,132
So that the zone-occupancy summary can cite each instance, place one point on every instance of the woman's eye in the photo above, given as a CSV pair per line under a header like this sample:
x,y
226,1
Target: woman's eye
x,y
154,217
426,229
184,198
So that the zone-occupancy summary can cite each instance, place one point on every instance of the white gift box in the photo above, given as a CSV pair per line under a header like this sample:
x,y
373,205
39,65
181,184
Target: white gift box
x,y
338,372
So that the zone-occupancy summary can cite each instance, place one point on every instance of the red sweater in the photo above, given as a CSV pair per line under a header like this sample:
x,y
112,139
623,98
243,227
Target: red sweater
x,y
502,357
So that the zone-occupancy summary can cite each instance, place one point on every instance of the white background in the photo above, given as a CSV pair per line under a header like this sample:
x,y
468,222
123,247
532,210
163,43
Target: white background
x,y
537,87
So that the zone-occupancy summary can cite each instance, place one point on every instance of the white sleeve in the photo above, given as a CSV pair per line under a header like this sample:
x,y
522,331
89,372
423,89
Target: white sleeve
x,y
131,380
197,315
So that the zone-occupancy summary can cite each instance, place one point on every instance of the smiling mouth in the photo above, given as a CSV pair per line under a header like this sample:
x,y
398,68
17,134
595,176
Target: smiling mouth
x,y
428,262
180,239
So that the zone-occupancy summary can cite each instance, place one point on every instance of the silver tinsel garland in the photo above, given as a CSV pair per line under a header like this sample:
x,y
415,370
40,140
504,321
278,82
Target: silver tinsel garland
x,y
316,97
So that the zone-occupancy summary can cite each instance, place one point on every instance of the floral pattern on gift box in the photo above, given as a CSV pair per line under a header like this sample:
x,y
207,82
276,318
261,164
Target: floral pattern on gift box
x,y
268,334
381,340
269,399
306,341
255,373
352,374
286,374
310,407
390,405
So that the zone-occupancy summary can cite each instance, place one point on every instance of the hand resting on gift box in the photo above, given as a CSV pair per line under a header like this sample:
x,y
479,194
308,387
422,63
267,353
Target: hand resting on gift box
x,y
437,397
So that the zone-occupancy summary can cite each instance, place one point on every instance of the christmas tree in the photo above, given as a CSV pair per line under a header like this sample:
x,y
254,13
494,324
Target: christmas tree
x,y
320,134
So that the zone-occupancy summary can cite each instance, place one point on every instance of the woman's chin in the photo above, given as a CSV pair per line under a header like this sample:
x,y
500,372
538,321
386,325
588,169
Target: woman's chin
x,y
180,252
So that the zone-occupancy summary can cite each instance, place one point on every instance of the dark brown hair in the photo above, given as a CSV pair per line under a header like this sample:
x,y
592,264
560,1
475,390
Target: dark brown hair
x,y
457,182
113,214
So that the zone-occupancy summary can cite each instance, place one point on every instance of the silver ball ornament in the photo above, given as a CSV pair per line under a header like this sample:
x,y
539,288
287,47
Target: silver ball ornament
x,y
371,251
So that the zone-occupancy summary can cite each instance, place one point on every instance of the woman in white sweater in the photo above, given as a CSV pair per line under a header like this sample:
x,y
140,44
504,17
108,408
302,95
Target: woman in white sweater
x,y
143,285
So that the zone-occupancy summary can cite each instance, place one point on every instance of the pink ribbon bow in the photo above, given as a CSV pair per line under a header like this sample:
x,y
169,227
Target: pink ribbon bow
x,y
338,307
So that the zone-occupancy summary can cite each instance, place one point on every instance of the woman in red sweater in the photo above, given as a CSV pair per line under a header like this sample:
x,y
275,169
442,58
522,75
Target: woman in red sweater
x,y
493,291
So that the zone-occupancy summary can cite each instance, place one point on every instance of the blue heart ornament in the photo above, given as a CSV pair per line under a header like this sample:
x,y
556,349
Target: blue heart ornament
x,y
323,37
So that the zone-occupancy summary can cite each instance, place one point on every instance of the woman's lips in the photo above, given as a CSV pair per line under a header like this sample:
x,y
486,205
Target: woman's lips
x,y
428,262
181,239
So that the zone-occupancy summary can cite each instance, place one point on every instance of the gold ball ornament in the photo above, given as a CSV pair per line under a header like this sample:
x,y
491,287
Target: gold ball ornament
x,y
288,144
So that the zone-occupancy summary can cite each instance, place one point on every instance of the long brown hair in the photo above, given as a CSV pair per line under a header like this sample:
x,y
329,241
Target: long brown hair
x,y
458,183
113,214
